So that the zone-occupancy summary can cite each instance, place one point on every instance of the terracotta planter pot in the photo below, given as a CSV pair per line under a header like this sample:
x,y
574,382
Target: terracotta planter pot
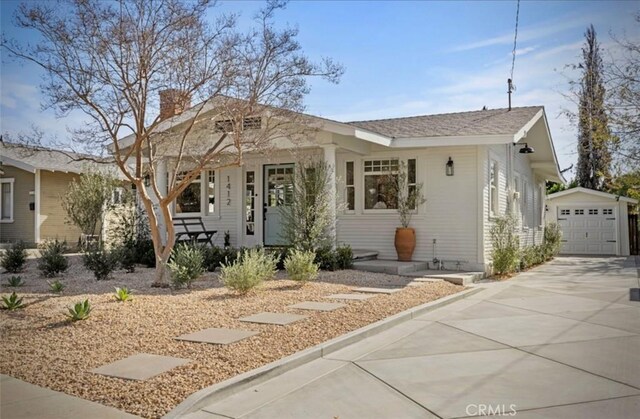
x,y
405,243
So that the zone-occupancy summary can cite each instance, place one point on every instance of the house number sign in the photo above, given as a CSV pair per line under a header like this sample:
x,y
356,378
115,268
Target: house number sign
x,y
228,191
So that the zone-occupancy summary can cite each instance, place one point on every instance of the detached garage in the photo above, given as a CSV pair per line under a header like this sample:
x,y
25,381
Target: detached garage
x,y
592,222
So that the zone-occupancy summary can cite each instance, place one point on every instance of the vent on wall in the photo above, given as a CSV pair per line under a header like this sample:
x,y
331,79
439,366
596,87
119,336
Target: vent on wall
x,y
226,125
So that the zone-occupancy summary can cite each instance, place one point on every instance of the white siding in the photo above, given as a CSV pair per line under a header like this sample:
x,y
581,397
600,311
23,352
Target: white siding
x,y
449,216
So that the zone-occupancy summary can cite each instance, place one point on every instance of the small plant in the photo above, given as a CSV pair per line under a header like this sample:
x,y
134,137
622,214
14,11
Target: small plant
x,y
552,240
100,261
128,256
344,257
14,258
56,286
326,259
506,246
248,271
12,302
52,260
213,257
123,294
80,311
15,281
300,266
227,239
186,265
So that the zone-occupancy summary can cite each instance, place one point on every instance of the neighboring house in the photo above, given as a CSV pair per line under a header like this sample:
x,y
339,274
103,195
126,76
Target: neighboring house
x,y
33,179
469,163
592,222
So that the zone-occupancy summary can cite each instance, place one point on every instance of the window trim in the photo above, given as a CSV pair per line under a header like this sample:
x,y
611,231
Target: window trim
x,y
11,182
204,207
348,186
364,174
494,189
200,213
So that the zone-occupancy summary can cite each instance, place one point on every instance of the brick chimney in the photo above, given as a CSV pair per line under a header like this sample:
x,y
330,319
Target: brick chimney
x,y
173,102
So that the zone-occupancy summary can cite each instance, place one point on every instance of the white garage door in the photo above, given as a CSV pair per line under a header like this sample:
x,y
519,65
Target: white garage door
x,y
588,230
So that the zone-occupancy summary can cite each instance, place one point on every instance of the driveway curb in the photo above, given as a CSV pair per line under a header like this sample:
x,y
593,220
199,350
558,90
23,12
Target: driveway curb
x,y
240,382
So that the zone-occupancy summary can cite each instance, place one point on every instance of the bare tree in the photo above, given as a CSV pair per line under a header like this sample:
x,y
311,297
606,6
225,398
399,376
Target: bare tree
x,y
111,60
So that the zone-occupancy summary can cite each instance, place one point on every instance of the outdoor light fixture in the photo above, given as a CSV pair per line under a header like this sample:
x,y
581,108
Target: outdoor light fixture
x,y
526,149
449,167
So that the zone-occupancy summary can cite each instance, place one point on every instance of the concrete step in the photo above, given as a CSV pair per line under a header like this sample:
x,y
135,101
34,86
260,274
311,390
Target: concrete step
x,y
458,278
392,267
363,254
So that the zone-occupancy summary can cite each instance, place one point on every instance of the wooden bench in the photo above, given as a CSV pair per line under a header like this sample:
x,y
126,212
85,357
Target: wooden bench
x,y
194,230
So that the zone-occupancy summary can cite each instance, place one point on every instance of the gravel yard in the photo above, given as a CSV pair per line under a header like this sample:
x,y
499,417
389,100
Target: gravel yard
x,y
41,347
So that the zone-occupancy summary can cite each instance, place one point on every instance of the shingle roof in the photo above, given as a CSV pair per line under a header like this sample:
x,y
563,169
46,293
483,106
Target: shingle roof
x,y
484,122
49,159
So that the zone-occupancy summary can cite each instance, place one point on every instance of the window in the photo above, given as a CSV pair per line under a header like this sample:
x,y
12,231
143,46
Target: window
x,y
607,211
378,194
593,212
189,201
565,212
493,188
411,178
227,125
578,212
250,203
211,192
6,200
525,204
517,201
350,189
118,196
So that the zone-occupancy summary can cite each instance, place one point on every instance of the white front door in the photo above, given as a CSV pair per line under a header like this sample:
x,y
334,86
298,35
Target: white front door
x,y
278,192
588,230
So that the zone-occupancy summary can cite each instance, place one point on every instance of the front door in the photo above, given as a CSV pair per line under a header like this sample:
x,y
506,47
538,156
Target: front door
x,y
278,192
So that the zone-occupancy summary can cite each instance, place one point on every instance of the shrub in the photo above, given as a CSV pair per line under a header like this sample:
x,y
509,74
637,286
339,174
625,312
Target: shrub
x,y
344,257
300,266
56,286
326,259
506,246
146,253
212,257
552,240
531,256
14,258
15,281
52,260
186,265
80,311
12,302
248,271
127,256
100,261
123,294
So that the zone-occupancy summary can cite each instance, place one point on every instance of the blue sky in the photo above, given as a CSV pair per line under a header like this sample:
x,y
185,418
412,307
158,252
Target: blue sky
x,y
402,58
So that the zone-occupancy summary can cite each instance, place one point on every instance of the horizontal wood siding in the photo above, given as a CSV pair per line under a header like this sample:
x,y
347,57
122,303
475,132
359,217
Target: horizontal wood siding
x,y
53,218
23,225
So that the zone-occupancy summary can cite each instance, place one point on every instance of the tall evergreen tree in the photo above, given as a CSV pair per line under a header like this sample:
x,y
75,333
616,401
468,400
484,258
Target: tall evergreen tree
x,y
594,136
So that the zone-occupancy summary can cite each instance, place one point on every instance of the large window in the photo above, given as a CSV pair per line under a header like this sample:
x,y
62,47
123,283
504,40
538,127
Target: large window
x,y
378,174
493,188
350,187
6,200
190,200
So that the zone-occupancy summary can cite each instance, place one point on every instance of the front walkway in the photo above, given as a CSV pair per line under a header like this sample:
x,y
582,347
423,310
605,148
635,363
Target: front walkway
x,y
561,341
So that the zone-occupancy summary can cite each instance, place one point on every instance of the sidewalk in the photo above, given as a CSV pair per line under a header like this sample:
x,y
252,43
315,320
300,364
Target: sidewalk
x,y
19,399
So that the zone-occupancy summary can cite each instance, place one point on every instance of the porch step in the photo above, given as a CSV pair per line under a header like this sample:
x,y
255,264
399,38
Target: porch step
x,y
455,277
392,267
363,254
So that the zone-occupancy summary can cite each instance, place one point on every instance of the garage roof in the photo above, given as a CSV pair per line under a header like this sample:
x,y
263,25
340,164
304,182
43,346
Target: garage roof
x,y
592,192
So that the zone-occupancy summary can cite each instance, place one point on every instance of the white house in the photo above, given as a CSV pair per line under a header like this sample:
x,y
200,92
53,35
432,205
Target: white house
x,y
592,222
473,167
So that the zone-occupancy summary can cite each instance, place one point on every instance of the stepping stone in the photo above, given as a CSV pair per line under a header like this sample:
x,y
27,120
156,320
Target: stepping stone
x,y
415,284
378,290
140,366
428,280
273,318
217,335
358,297
312,305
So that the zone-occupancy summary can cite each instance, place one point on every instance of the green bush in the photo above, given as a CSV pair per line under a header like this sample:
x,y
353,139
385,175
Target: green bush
x,y
12,302
127,255
100,261
248,271
212,257
15,281
326,259
52,260
80,311
14,258
505,252
123,294
344,257
532,256
552,240
186,265
300,266
56,286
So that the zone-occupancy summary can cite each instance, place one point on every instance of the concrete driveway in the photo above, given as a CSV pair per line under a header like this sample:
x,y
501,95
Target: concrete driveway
x,y
560,341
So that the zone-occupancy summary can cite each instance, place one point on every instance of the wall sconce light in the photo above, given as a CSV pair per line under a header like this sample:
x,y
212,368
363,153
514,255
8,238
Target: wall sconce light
x,y
526,149
449,167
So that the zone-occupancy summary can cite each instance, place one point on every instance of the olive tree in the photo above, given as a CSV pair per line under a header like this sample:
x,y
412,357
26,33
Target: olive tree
x,y
111,60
